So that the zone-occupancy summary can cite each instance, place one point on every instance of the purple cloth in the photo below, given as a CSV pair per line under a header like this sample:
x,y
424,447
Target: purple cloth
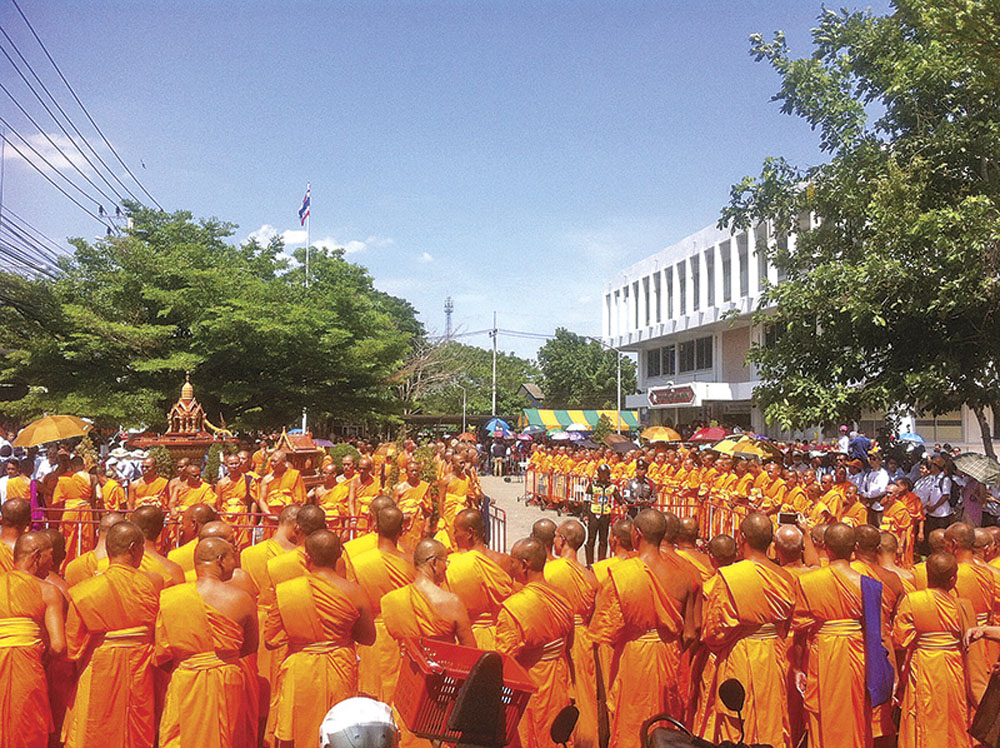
x,y
37,515
878,671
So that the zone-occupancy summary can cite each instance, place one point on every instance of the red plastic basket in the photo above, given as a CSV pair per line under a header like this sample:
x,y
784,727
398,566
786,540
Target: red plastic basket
x,y
429,680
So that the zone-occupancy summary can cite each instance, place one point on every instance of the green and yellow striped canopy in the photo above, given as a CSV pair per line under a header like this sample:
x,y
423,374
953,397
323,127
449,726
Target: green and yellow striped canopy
x,y
560,419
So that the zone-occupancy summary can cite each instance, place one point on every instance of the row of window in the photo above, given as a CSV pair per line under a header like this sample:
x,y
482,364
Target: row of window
x,y
690,355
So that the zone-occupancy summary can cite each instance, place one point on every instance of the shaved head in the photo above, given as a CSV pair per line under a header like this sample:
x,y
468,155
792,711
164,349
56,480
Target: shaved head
x,y
622,532
390,522
16,513
722,548
28,543
58,541
217,529
122,538
788,543
574,534
818,534
201,514
840,539
323,549
310,519
149,519
652,525
961,536
688,530
942,569
982,539
289,514
671,526
471,520
867,538
888,544
544,530
531,551
109,520
210,550
427,549
757,530
935,539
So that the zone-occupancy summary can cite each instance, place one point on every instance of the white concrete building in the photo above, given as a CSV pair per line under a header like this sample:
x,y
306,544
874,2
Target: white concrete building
x,y
685,311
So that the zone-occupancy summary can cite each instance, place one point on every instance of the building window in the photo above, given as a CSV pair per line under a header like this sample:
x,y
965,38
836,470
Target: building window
x,y
646,299
653,362
609,330
743,252
710,275
772,333
669,360
760,248
782,252
624,316
727,270
635,304
695,283
670,293
656,297
682,287
695,355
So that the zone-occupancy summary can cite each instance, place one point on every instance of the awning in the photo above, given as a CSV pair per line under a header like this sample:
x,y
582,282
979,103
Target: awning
x,y
550,419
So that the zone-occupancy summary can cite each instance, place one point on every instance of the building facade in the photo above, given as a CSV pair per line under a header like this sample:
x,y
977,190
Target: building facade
x,y
686,314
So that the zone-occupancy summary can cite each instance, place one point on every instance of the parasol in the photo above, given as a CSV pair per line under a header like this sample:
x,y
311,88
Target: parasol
x,y
625,446
660,434
756,449
495,424
984,469
559,436
729,444
612,439
533,430
708,434
467,437
51,429
578,427
524,437
915,438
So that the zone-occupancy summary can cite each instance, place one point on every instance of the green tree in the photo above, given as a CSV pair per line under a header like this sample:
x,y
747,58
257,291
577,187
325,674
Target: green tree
x,y
114,335
602,429
579,372
893,295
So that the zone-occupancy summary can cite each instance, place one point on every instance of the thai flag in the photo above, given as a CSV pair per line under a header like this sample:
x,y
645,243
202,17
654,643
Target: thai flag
x,y
304,210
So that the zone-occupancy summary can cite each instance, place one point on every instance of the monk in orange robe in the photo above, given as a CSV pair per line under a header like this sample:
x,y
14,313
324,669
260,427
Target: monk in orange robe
x,y
236,500
930,625
281,487
15,519
888,554
380,571
686,548
202,630
113,494
896,517
579,586
109,631
150,519
456,496
916,509
413,499
92,562
853,512
619,548
364,487
192,520
151,488
18,485
828,618
28,606
193,491
748,612
331,494
646,611
978,585
366,541
74,494
533,626
479,576
317,618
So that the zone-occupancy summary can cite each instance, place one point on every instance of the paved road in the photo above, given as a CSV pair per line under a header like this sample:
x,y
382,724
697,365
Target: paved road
x,y
519,517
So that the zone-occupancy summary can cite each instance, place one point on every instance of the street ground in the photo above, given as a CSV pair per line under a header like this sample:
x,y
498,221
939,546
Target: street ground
x,y
506,496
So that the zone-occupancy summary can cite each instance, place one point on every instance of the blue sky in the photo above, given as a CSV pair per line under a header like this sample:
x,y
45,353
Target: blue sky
x,y
512,155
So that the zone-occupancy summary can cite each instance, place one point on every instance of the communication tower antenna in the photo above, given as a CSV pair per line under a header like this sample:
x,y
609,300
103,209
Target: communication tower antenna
x,y
449,307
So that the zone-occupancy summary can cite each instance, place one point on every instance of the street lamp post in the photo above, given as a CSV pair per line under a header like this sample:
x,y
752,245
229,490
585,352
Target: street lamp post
x,y
618,356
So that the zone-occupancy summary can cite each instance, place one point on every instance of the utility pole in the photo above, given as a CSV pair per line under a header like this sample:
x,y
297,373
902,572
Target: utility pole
x,y
493,333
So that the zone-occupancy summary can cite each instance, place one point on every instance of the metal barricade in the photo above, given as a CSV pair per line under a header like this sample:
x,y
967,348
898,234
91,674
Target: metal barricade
x,y
498,529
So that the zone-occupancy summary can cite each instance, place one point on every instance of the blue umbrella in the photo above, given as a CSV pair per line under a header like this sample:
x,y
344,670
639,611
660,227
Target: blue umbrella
x,y
495,424
915,438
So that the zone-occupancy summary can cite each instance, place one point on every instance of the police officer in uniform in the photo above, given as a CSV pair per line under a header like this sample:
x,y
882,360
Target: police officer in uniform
x,y
640,492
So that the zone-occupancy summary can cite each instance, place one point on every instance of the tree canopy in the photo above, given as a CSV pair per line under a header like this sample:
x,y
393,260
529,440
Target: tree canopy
x,y
893,293
113,336
579,372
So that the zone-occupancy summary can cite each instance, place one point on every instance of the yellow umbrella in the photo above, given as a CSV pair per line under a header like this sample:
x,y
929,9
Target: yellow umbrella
x,y
51,429
660,434
757,449
728,445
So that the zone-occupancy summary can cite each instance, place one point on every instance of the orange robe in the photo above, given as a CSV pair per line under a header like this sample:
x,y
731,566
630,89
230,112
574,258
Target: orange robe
x,y
109,631
315,620
414,503
235,499
364,493
113,493
854,515
532,627
898,520
977,585
334,501
72,494
378,573
84,567
25,716
202,494
705,569
184,557
204,698
581,591
146,494
280,492
455,499
639,618
6,557
356,546
747,615
930,625
18,487
828,613
482,586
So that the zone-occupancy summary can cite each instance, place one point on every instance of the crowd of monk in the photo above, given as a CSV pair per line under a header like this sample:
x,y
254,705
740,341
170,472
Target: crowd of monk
x,y
225,642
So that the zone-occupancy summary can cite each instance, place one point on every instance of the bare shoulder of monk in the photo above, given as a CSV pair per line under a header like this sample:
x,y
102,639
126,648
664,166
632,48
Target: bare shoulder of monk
x,y
678,585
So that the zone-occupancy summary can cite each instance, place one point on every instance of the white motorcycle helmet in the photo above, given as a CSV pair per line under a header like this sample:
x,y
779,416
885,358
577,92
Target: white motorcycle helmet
x,y
359,723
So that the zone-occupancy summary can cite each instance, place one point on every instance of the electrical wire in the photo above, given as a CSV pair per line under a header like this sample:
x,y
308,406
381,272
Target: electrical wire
x,y
85,111
8,213
63,113
27,239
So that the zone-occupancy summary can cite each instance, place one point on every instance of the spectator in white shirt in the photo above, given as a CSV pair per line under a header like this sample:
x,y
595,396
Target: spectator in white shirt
x,y
894,470
844,441
934,490
872,488
856,473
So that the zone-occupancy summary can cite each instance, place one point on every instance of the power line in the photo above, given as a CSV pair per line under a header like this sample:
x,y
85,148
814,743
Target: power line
x,y
47,178
26,238
17,256
81,172
63,112
77,99
8,213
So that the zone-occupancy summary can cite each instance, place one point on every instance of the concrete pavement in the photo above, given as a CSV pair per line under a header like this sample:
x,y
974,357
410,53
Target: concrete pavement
x,y
506,496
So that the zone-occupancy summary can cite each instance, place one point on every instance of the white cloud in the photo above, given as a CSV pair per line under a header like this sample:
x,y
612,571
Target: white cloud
x,y
297,238
60,155
264,234
425,258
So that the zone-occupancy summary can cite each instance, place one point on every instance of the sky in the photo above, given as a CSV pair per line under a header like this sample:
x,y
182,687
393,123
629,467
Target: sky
x,y
514,156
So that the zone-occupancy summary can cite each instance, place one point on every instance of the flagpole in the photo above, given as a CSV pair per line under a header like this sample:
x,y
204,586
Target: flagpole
x,y
308,192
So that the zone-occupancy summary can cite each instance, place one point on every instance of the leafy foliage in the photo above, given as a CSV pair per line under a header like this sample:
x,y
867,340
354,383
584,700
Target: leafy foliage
x,y
893,296
113,337
164,462
602,428
578,372
339,451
